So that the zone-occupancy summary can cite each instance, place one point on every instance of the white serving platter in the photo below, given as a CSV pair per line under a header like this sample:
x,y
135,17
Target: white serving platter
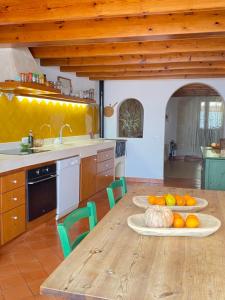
x,y
142,201
208,225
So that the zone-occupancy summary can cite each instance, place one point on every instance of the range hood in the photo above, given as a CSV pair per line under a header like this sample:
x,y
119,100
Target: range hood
x,y
14,61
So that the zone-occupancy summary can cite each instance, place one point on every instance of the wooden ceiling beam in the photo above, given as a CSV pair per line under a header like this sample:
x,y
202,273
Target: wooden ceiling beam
x,y
115,29
195,89
147,67
136,59
156,77
21,12
126,48
154,73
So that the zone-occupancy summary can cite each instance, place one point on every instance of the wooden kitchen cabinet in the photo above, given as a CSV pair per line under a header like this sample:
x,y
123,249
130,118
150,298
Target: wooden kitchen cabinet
x,y
12,223
12,206
12,181
12,199
103,179
88,177
97,172
105,168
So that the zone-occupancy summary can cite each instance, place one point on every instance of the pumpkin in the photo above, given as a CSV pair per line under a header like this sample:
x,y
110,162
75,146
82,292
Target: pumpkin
x,y
158,217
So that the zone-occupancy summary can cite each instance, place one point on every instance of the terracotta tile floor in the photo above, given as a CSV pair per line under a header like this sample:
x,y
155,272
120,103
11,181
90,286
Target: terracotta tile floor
x,y
28,260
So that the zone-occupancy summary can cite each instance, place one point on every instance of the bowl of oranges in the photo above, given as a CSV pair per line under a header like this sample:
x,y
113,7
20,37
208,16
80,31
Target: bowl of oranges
x,y
185,203
183,224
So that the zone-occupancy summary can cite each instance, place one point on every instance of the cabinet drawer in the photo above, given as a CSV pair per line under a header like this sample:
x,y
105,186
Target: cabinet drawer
x,y
12,181
105,155
104,179
12,199
105,165
12,223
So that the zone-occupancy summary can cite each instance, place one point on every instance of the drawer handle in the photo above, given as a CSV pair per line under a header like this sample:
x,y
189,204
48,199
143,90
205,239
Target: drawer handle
x,y
14,181
106,175
15,218
14,198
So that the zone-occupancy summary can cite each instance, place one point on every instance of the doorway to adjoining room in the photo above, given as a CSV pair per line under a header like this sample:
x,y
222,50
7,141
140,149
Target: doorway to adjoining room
x,y
194,119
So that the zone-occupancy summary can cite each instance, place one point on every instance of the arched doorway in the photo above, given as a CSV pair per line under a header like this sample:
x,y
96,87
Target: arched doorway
x,y
194,119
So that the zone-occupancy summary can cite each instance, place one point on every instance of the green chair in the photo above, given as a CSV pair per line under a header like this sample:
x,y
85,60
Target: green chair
x,y
63,228
121,183
124,183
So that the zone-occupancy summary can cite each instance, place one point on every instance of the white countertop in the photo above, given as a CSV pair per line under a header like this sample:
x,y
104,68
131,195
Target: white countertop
x,y
83,148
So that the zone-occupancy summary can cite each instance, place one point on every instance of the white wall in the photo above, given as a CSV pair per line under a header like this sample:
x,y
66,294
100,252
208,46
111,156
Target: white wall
x,y
78,83
145,157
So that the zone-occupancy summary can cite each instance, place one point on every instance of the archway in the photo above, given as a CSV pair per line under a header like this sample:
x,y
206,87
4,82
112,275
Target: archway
x,y
194,119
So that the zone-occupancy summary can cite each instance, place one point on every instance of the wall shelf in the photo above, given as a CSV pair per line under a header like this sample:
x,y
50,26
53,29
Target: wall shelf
x,y
37,90
31,88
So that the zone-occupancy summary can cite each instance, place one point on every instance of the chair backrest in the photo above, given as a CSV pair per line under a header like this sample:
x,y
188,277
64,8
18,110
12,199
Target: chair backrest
x,y
63,228
111,189
123,179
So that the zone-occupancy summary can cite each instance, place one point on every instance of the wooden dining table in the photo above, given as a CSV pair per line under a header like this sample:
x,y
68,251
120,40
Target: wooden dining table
x,y
114,262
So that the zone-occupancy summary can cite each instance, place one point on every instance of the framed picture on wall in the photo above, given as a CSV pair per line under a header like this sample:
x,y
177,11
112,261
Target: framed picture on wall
x,y
66,85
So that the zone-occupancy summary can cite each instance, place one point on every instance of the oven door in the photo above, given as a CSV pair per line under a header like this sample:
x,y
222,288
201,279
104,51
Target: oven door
x,y
41,197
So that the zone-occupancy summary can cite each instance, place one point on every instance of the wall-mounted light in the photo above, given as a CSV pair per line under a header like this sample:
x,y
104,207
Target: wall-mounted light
x,y
47,101
9,96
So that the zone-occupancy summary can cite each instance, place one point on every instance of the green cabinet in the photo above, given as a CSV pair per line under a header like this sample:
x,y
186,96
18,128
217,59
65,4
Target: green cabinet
x,y
213,174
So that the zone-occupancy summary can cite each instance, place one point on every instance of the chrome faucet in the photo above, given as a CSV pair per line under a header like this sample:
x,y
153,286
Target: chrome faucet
x,y
47,125
61,132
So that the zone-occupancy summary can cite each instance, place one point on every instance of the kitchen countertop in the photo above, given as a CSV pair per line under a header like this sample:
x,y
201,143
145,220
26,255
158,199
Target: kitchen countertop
x,y
83,148
210,153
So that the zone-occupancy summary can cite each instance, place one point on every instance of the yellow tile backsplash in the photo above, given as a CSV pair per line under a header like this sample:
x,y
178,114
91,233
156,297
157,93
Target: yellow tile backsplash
x,y
20,115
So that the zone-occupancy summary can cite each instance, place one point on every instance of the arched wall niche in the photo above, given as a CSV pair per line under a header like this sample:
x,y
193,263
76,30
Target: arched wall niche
x,y
131,119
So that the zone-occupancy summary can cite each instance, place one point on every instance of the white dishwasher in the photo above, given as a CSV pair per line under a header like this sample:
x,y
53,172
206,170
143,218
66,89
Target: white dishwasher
x,y
68,185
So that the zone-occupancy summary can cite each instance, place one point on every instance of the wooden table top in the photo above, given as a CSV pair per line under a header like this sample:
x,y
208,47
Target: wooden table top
x,y
114,262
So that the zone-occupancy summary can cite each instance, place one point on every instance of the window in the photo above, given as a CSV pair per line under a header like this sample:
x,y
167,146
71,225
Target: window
x,y
131,114
211,115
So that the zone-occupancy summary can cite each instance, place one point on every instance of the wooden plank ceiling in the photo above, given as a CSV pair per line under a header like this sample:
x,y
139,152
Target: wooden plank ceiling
x,y
195,89
120,39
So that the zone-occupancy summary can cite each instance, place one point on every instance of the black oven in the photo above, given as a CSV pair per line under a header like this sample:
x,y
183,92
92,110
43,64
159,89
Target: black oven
x,y
41,191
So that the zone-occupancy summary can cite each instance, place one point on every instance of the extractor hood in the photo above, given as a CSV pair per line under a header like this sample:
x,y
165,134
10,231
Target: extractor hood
x,y
14,61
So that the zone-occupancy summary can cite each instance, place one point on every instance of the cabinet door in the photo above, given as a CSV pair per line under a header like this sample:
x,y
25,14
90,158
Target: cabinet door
x,y
104,179
215,174
12,223
88,177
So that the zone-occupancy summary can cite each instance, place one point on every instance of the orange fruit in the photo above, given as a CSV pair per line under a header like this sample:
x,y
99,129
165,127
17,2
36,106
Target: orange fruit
x,y
160,201
192,221
192,216
180,201
177,215
178,222
151,199
190,201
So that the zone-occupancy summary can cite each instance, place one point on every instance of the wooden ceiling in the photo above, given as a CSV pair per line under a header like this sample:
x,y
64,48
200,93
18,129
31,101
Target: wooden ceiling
x,y
196,89
120,39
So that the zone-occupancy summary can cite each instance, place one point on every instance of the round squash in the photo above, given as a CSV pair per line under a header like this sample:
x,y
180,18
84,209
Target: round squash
x,y
158,217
